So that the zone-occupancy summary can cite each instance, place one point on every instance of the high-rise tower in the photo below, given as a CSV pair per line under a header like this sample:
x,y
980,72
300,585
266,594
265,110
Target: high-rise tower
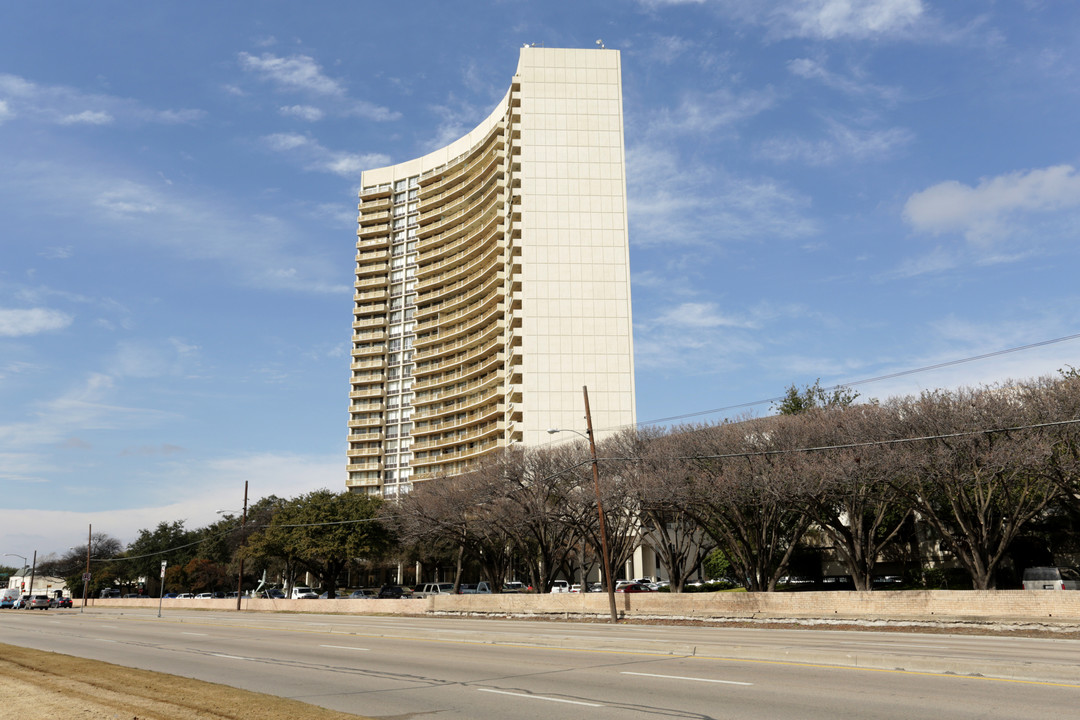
x,y
493,281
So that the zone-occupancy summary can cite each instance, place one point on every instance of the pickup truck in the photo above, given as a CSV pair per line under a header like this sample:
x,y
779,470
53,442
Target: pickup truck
x,y
434,589
480,588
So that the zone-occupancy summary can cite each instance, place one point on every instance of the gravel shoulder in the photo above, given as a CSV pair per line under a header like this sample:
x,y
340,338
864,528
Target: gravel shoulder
x,y
47,686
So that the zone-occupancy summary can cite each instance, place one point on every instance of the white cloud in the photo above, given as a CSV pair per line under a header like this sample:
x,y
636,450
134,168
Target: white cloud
x,y
183,221
62,105
88,117
304,112
676,202
18,322
700,315
842,143
850,85
983,213
298,72
859,19
320,159
709,112
282,142
5,111
191,491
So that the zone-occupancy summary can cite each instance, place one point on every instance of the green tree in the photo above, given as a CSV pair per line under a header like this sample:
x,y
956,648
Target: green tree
x,y
321,532
169,542
797,401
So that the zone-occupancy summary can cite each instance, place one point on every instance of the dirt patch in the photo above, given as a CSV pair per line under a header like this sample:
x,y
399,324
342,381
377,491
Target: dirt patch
x,y
48,686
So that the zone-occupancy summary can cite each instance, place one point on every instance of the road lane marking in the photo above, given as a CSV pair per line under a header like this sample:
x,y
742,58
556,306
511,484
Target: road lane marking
x,y
897,645
677,677
191,633
539,697
345,647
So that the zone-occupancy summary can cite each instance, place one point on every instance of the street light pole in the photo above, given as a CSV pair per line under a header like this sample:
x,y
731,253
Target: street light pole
x,y
243,524
86,575
609,582
33,571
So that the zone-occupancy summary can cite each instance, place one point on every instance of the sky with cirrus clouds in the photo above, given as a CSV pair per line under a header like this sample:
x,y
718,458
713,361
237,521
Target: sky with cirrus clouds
x,y
833,189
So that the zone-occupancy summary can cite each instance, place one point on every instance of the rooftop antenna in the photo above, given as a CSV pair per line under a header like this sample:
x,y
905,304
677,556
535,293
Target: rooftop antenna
x,y
600,44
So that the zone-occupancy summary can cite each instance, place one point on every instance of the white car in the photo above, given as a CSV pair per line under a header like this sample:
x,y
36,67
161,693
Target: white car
x,y
560,586
301,592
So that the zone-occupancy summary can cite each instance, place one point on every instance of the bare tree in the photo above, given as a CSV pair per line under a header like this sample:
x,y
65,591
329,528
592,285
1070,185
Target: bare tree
x,y
744,484
847,491
659,486
975,481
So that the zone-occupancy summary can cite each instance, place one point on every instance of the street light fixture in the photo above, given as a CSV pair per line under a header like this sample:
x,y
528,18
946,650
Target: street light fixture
x,y
588,435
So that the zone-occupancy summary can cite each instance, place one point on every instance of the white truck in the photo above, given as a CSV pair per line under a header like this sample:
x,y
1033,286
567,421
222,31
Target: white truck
x,y
8,597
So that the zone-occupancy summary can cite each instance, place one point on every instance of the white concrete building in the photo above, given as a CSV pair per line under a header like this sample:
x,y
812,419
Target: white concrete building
x,y
493,281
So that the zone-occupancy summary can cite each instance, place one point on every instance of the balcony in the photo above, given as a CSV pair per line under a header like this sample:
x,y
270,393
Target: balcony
x,y
376,203
376,364
368,350
373,230
369,336
478,370
371,322
369,294
373,466
364,270
367,393
372,282
375,192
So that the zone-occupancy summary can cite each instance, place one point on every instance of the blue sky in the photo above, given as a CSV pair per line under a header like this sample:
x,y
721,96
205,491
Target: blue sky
x,y
834,189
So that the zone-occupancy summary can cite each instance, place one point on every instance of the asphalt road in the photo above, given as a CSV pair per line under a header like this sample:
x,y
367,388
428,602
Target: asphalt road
x,y
477,668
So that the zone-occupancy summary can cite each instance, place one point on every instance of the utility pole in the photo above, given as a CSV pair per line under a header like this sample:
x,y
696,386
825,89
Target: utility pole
x,y
243,524
33,570
86,575
608,581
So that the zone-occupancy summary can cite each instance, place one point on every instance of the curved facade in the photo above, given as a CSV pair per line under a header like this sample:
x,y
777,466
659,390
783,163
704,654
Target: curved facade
x,y
492,281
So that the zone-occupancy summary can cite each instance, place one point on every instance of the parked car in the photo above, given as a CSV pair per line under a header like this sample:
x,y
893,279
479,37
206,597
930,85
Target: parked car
x,y
393,592
363,594
109,593
560,586
633,588
1051,578
185,596
301,592
271,594
515,587
38,602
210,596
168,596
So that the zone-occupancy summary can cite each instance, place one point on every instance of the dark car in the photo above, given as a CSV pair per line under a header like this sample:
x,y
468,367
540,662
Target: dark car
x,y
393,592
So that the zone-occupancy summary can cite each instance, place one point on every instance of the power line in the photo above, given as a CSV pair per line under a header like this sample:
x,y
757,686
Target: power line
x,y
864,381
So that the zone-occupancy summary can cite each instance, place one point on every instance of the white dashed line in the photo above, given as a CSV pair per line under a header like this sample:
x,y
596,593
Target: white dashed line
x,y
539,697
694,679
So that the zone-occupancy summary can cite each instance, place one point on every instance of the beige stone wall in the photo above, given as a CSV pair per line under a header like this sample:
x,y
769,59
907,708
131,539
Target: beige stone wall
x,y
895,605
